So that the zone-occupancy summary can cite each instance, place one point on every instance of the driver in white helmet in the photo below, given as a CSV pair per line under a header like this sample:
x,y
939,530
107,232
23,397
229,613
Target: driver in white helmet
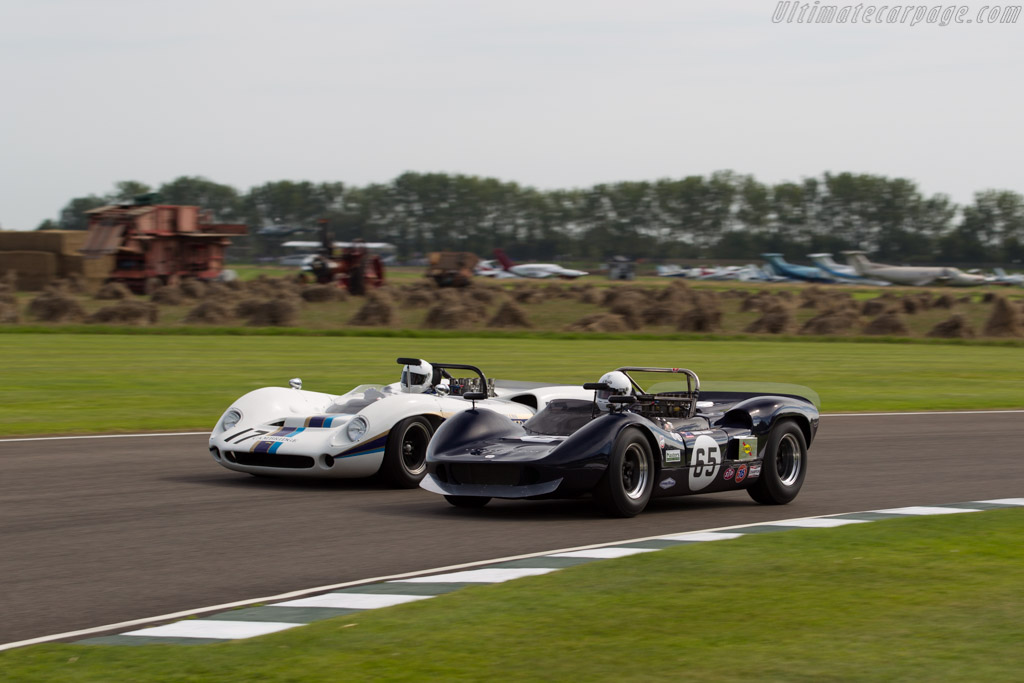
x,y
418,379
618,385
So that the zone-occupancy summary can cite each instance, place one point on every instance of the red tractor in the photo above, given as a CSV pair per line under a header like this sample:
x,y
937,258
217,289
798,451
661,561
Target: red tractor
x,y
351,264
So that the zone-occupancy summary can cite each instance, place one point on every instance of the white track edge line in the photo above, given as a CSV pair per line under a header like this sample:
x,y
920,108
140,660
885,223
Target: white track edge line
x,y
392,577
127,436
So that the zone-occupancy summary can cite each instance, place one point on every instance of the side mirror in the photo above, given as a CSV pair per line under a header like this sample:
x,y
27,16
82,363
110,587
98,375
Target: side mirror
x,y
596,386
474,396
295,383
622,400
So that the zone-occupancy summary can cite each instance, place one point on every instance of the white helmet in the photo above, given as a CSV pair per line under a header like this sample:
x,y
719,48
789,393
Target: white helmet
x,y
619,385
417,379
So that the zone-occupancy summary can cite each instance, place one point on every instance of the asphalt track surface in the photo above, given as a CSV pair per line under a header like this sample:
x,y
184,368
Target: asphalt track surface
x,y
100,531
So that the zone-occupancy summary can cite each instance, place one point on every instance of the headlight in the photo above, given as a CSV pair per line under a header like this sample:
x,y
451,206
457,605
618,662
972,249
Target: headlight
x,y
356,428
230,419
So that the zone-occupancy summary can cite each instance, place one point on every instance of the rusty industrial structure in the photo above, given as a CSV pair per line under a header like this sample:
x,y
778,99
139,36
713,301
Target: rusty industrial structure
x,y
159,241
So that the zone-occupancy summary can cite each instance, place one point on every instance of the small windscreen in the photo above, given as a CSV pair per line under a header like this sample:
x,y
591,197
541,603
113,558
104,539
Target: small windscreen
x,y
561,417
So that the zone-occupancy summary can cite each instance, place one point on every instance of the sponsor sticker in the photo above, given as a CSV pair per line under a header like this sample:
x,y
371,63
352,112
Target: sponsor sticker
x,y
747,448
673,455
741,473
667,483
755,470
729,471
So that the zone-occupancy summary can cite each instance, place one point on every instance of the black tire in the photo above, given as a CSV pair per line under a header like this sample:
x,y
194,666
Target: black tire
x,y
784,466
405,456
625,489
468,501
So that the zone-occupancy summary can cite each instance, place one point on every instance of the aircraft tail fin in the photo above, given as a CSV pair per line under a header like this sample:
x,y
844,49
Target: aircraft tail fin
x,y
503,258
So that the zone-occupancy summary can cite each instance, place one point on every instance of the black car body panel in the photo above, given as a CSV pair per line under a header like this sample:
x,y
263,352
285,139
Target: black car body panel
x,y
714,444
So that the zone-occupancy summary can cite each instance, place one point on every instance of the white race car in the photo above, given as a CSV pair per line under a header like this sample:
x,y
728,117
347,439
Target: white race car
x,y
276,431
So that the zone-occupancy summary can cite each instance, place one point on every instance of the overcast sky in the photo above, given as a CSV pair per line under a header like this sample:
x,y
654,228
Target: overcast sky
x,y
552,94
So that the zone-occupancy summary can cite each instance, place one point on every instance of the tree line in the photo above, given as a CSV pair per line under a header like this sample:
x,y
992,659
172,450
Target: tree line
x,y
724,215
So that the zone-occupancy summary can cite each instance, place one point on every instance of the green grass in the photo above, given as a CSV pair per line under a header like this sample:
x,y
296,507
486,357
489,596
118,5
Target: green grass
x,y
926,599
96,383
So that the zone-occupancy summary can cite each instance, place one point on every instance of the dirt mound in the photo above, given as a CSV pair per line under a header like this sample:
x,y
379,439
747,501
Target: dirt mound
x,y
775,320
509,314
322,293
830,322
279,312
889,323
9,313
113,291
598,322
169,295
55,306
954,327
377,311
127,312
209,312
1004,320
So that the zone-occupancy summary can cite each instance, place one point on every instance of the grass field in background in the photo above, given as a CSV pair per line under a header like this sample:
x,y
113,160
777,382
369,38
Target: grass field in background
x,y
920,599
95,383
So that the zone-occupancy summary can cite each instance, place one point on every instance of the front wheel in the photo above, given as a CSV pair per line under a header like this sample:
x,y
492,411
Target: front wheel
x,y
405,456
784,466
626,486
468,501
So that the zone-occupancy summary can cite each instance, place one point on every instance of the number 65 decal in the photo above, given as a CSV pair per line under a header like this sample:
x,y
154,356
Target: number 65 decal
x,y
704,465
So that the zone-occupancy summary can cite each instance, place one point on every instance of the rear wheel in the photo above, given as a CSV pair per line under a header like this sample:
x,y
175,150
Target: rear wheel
x,y
468,501
405,456
784,466
625,489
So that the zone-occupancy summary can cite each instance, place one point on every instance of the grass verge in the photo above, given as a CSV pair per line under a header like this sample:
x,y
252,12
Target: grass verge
x,y
85,383
919,599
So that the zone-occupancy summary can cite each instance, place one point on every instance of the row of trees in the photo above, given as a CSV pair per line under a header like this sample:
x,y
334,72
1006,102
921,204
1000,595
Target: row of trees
x,y
724,215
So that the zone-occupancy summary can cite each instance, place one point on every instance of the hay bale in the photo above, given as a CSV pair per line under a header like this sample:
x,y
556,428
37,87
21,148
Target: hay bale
x,y
113,291
630,311
209,312
10,279
8,297
943,301
699,319
988,297
377,311
888,323
598,322
509,314
1004,321
876,306
419,298
278,312
54,306
321,293
910,305
830,322
247,306
192,288
528,295
954,327
776,320
590,296
128,312
9,313
169,295
35,269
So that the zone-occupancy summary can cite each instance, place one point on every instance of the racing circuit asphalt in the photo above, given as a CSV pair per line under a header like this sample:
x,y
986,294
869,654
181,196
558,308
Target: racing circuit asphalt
x,y
99,531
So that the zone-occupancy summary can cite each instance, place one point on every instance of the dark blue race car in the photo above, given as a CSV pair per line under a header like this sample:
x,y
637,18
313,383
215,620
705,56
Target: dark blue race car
x,y
631,444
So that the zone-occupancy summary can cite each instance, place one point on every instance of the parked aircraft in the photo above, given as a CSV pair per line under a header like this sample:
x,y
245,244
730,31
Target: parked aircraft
x,y
505,268
841,272
912,275
1002,278
810,273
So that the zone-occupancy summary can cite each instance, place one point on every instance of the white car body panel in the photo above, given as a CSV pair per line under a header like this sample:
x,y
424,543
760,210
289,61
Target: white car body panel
x,y
299,433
